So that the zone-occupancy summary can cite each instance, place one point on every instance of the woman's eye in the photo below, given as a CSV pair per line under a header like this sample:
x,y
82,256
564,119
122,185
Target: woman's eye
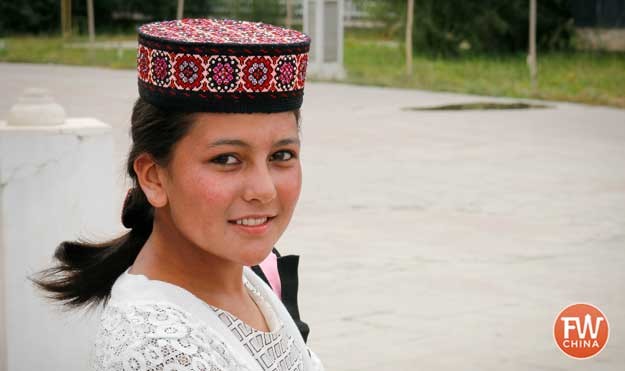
x,y
282,156
225,160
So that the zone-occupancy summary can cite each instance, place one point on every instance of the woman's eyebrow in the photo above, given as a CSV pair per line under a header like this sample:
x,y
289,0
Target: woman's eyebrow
x,y
287,141
240,143
229,142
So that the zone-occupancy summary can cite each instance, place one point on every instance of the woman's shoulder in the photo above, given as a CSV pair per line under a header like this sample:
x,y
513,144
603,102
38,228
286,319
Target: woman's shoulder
x,y
157,335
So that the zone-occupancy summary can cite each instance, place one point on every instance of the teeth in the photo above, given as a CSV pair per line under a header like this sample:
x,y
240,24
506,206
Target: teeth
x,y
251,221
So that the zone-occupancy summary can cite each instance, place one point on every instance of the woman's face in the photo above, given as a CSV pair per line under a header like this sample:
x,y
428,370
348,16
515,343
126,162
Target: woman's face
x,y
233,182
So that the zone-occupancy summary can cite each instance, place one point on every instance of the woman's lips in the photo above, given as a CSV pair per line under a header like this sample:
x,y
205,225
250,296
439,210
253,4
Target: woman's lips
x,y
253,226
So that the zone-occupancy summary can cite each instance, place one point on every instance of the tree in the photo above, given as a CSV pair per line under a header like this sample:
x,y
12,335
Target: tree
x,y
91,21
289,14
452,27
180,11
531,58
66,18
409,17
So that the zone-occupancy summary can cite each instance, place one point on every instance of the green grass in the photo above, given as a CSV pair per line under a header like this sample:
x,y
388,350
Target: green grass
x,y
31,49
585,77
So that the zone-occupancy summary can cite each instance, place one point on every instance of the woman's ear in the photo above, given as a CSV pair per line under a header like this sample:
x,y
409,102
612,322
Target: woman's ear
x,y
151,180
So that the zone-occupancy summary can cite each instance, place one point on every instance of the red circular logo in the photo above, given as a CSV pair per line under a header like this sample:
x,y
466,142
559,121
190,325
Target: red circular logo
x,y
581,331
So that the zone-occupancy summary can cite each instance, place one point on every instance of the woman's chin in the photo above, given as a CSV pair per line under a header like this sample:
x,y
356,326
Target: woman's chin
x,y
256,258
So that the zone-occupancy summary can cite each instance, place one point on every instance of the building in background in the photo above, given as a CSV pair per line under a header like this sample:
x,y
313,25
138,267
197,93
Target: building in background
x,y
599,24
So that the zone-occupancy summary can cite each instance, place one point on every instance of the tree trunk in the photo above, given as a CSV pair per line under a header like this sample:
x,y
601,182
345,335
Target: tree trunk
x,y
289,13
66,18
409,20
90,21
531,58
180,11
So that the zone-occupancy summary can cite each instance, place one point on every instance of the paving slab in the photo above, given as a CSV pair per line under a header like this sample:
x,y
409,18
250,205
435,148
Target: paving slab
x,y
430,240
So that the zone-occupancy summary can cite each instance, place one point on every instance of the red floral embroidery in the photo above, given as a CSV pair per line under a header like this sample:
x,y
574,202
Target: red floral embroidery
x,y
301,70
285,73
188,72
143,63
257,74
161,68
223,73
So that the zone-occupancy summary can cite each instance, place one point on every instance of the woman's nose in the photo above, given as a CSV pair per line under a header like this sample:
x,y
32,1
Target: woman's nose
x,y
260,185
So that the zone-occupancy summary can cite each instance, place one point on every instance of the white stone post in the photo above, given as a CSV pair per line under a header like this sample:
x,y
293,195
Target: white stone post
x,y
323,22
56,184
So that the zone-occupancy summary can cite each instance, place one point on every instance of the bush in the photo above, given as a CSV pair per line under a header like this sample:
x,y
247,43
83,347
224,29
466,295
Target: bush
x,y
450,27
123,16
33,16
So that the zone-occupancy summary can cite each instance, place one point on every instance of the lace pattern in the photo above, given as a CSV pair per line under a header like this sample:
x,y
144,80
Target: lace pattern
x,y
159,337
274,350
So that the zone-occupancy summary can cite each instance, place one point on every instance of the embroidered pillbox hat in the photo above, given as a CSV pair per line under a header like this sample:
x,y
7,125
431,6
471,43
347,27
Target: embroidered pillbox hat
x,y
209,65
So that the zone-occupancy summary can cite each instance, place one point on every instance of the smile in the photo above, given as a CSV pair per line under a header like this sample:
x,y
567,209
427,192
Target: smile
x,y
251,221
254,225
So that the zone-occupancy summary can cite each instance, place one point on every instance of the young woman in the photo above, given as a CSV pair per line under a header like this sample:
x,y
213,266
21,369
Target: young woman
x,y
215,163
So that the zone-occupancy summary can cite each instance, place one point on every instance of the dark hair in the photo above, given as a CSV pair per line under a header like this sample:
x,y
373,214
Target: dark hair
x,y
85,272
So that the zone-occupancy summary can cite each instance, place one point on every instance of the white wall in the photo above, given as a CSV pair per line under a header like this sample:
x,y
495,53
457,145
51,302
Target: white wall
x,y
56,184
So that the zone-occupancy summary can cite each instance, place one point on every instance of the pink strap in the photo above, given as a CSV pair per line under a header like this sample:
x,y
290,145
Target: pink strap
x,y
270,269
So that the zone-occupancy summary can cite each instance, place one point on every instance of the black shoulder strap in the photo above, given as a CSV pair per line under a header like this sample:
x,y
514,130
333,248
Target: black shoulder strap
x,y
287,268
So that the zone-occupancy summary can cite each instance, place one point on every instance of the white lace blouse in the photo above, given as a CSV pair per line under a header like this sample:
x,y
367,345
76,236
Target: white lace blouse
x,y
155,325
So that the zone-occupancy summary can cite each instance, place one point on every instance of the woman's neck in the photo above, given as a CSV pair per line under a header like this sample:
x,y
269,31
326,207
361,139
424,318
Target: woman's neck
x,y
167,256
214,280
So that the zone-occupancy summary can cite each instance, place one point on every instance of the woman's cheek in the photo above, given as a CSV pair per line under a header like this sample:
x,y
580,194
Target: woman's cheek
x,y
209,189
206,182
290,184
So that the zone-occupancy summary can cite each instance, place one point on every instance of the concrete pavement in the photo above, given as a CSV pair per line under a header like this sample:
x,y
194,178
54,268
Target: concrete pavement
x,y
431,240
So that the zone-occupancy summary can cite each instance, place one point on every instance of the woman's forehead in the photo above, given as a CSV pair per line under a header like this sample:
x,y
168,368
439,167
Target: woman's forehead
x,y
252,128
